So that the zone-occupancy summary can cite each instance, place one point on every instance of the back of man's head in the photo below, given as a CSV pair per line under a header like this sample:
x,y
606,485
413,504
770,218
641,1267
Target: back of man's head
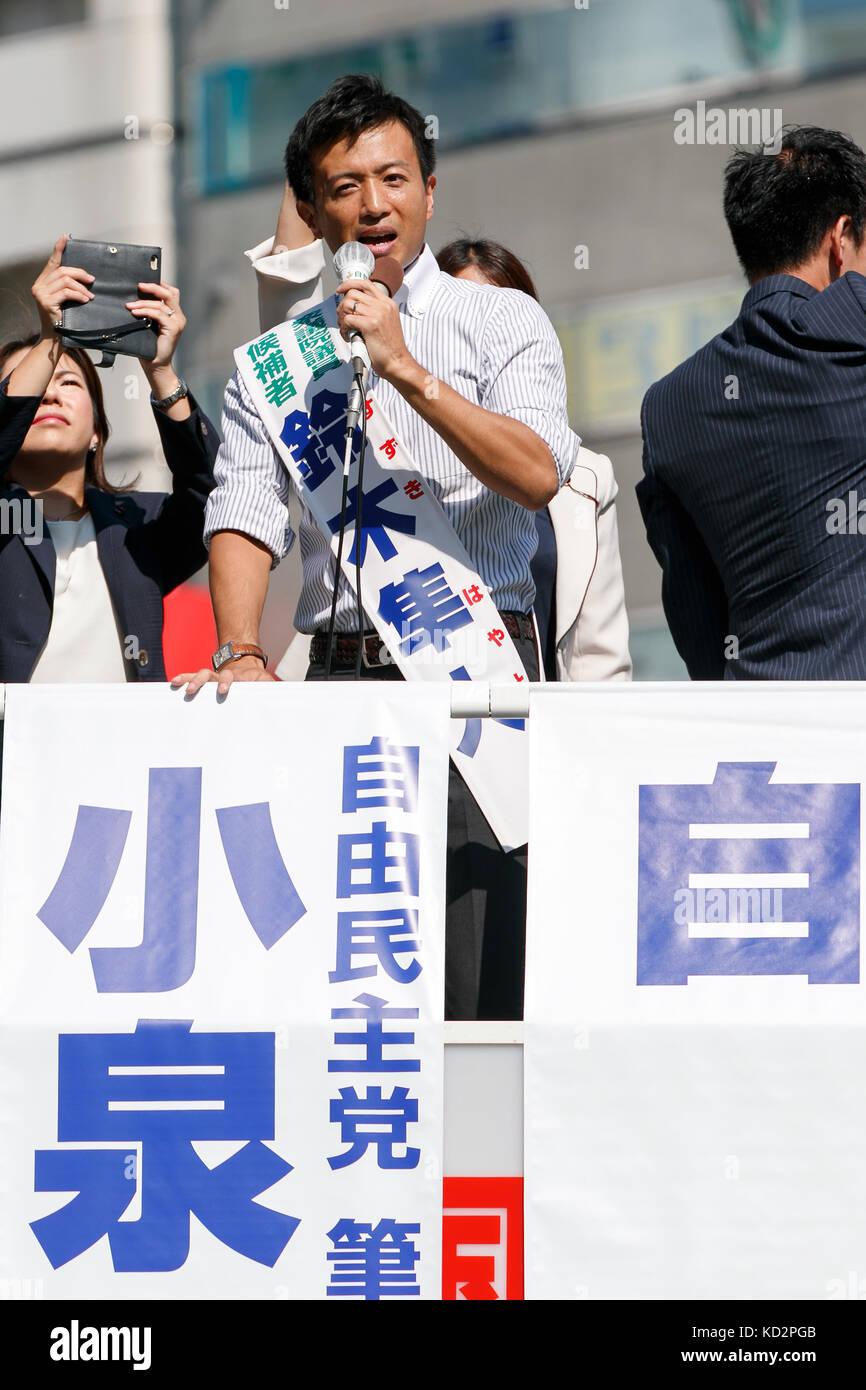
x,y
780,206
352,104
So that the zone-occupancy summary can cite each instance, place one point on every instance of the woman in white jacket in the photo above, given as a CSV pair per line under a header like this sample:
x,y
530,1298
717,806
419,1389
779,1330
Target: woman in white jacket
x,y
587,637
580,601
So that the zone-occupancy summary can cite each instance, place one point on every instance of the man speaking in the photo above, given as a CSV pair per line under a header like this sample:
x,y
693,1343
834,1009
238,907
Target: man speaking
x,y
472,379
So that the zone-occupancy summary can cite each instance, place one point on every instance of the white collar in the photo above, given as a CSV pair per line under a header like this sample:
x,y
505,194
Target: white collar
x,y
420,278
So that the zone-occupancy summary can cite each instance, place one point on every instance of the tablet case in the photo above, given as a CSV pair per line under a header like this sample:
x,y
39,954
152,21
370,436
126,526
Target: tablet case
x,y
104,322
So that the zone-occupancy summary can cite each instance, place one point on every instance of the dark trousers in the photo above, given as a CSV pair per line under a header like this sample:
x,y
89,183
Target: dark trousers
x,y
485,888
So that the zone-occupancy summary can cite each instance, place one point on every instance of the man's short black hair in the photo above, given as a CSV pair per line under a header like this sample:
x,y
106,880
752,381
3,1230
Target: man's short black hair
x,y
352,104
779,206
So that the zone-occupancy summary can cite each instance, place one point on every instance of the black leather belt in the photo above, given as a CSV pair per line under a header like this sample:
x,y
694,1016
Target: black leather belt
x,y
345,649
518,625
375,653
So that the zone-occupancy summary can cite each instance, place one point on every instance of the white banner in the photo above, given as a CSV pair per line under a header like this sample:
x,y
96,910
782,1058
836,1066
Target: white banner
x,y
695,1008
434,615
221,986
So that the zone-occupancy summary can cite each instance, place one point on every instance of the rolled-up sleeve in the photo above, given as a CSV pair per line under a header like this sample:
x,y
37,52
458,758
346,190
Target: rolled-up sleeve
x,y
524,375
289,282
252,486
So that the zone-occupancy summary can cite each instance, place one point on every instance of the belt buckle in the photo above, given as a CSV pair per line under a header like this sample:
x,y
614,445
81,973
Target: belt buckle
x,y
374,665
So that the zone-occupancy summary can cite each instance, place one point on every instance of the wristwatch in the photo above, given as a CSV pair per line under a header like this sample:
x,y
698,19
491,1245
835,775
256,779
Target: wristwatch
x,y
177,394
230,651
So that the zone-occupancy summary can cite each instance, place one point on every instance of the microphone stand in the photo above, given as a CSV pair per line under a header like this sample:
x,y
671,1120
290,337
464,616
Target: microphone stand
x,y
356,261
355,410
361,383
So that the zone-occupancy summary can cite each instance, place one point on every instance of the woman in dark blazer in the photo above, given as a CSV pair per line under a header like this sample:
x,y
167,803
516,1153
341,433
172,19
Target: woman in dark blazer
x,y
84,566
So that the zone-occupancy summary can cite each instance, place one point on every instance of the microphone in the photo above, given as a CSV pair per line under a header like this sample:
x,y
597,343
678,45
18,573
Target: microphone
x,y
355,261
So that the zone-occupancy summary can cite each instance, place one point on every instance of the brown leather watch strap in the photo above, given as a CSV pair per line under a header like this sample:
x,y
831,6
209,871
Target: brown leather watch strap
x,y
232,651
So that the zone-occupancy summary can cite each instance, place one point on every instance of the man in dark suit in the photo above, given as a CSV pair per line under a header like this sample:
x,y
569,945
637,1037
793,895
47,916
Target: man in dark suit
x,y
754,494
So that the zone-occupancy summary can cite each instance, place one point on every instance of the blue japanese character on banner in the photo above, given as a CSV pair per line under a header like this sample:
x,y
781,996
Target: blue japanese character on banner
x,y
262,882
374,520
375,1119
164,1086
373,1262
749,877
314,465
328,420
423,609
380,773
309,438
373,1038
165,957
390,864
385,933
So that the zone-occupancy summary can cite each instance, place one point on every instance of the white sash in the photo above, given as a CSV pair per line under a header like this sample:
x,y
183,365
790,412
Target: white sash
x,y
419,588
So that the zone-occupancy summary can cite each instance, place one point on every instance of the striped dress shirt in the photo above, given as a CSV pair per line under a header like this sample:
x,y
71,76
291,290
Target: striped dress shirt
x,y
498,349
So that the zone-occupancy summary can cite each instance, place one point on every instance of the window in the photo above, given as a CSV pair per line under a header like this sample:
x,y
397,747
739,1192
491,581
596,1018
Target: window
x,y
23,16
487,79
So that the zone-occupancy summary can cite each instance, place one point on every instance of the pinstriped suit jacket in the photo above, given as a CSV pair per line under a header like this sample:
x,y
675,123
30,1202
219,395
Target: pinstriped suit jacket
x,y
753,448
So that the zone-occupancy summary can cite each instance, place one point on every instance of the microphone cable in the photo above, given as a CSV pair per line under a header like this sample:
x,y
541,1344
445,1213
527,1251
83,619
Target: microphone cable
x,y
338,570
338,567
354,261
359,527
